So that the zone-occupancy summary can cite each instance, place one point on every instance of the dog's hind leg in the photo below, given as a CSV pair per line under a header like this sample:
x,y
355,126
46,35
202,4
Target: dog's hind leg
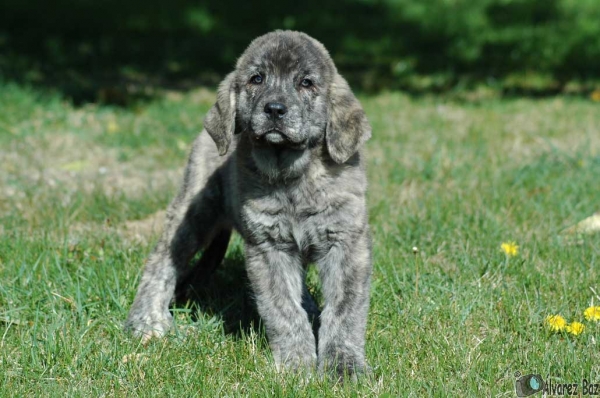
x,y
194,218
211,258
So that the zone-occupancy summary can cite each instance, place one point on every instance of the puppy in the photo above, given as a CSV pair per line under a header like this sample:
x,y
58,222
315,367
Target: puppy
x,y
280,162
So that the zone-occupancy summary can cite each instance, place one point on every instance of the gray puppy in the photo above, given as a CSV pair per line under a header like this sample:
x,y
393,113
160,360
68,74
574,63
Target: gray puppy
x,y
287,174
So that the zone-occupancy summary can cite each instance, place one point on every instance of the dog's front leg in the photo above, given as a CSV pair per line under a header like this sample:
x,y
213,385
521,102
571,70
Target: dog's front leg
x,y
345,272
277,281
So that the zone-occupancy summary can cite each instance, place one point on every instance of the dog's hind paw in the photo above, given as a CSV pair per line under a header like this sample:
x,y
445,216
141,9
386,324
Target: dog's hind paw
x,y
148,326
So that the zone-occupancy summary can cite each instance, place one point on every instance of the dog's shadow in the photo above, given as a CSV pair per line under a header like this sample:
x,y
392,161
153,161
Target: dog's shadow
x,y
223,292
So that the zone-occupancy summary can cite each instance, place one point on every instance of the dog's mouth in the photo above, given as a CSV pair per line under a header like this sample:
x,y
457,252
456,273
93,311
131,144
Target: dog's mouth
x,y
277,138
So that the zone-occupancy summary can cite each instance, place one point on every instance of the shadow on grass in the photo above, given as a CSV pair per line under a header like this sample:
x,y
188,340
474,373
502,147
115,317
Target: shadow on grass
x,y
224,292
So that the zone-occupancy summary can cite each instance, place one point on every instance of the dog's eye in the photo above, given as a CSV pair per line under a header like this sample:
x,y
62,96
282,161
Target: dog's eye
x,y
256,79
306,83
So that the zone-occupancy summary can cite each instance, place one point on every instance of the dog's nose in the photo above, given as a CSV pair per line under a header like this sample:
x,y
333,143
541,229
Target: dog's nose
x,y
275,110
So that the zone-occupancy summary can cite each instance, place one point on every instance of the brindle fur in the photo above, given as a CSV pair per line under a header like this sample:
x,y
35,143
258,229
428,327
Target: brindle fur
x,y
294,203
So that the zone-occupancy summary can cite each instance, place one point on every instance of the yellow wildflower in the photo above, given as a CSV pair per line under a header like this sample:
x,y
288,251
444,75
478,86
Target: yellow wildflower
x,y
595,95
575,328
556,323
510,248
592,313
77,165
112,127
182,145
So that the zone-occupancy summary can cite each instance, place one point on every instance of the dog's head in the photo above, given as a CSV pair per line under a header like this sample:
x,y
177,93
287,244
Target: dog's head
x,y
287,97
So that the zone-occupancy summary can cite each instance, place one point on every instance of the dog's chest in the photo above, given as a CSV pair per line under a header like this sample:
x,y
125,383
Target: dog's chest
x,y
304,219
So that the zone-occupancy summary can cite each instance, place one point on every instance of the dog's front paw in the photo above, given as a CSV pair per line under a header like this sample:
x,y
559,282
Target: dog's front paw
x,y
299,356
148,326
343,362
296,362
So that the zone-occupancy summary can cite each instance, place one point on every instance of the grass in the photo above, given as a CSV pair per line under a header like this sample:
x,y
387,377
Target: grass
x,y
80,188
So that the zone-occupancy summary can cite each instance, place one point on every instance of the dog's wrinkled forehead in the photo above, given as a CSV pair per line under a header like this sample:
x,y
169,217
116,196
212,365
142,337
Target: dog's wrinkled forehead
x,y
287,53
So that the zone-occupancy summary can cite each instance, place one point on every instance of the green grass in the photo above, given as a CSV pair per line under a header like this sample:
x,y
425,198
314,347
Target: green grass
x,y
453,178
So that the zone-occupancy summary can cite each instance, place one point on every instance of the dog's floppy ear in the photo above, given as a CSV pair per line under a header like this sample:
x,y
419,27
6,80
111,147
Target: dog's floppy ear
x,y
220,119
347,127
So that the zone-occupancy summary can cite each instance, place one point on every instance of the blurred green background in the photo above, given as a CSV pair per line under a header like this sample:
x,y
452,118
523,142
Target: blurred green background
x,y
84,185
91,49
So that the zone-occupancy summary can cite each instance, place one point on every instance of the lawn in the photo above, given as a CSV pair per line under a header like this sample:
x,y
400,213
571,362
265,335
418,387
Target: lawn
x,y
82,191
